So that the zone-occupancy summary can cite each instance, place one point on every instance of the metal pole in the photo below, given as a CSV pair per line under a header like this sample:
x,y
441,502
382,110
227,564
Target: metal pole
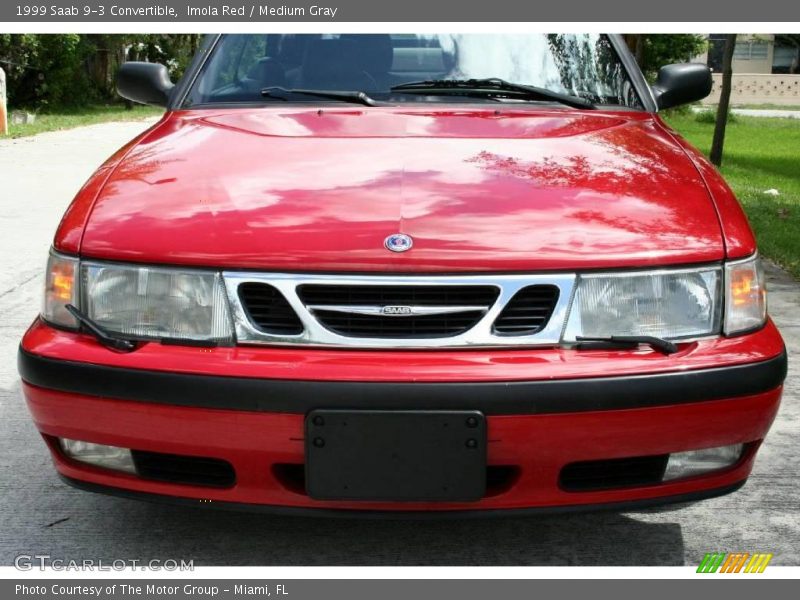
x,y
3,111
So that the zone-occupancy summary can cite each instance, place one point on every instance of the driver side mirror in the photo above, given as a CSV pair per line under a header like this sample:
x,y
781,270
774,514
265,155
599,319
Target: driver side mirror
x,y
145,83
680,84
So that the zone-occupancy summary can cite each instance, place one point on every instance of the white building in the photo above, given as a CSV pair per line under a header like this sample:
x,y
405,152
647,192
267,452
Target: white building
x,y
766,69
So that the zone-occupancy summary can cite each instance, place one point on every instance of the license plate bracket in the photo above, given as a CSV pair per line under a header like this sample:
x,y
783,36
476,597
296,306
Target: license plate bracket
x,y
399,456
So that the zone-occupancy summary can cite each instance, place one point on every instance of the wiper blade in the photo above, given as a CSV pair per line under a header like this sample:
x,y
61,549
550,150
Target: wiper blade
x,y
354,97
108,339
629,341
488,87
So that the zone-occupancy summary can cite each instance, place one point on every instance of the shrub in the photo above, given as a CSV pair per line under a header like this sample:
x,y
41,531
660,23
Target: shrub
x,y
710,116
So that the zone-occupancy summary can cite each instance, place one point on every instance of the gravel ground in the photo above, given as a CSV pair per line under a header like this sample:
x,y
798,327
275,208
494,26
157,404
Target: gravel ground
x,y
43,516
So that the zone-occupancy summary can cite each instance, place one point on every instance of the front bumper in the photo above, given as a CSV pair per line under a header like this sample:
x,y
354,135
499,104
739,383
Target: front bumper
x,y
545,409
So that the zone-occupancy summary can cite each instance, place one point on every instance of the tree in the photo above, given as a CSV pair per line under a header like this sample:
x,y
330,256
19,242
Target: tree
x,y
52,71
724,100
653,51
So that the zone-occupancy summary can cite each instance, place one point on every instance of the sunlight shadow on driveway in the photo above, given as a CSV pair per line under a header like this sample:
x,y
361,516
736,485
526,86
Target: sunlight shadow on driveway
x,y
213,537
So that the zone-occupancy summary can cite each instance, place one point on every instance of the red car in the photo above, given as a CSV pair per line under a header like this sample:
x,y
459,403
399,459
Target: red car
x,y
446,274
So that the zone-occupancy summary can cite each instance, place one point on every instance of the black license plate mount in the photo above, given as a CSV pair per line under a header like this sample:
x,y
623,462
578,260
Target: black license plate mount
x,y
396,456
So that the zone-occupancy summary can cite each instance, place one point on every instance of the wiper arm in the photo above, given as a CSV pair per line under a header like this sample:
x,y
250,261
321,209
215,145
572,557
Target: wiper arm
x,y
108,339
630,341
354,97
489,86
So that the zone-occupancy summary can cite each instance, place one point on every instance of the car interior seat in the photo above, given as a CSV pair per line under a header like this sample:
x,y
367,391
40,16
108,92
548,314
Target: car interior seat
x,y
374,54
332,64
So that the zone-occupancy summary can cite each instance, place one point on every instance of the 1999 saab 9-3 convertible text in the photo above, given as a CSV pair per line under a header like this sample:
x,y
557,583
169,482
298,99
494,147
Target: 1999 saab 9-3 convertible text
x,y
406,273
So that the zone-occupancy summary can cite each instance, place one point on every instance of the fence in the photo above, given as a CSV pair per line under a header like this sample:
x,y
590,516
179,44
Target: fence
x,y
759,89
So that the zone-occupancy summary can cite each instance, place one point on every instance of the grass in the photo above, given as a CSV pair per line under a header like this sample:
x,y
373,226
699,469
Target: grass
x,y
768,106
69,118
760,154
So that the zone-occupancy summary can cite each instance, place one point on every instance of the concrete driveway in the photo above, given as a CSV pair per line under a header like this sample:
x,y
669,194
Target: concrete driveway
x,y
40,515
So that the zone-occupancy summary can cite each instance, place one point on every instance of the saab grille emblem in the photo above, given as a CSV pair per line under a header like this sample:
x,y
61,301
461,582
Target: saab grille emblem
x,y
398,242
397,310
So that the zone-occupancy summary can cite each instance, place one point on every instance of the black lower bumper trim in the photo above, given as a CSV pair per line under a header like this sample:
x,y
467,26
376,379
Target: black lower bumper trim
x,y
624,506
491,398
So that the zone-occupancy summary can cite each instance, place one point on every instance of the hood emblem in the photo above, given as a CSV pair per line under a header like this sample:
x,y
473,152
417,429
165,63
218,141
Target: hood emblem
x,y
398,242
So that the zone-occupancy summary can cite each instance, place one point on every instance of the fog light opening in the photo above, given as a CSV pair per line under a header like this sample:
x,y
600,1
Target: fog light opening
x,y
99,455
699,462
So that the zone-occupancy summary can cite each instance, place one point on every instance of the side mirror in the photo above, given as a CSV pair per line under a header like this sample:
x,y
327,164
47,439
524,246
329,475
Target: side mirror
x,y
145,83
679,84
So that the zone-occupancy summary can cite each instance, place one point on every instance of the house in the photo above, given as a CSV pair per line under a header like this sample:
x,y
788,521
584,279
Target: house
x,y
766,69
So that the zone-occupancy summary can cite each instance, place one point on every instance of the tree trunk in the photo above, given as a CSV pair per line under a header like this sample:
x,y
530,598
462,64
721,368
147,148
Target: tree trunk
x,y
724,100
630,40
639,51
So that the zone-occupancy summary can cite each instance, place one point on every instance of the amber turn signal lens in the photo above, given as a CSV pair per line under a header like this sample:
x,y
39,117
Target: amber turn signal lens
x,y
60,290
744,286
62,280
746,297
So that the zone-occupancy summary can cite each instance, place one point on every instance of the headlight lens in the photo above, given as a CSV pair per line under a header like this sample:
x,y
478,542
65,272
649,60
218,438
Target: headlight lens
x,y
60,289
155,302
746,296
666,304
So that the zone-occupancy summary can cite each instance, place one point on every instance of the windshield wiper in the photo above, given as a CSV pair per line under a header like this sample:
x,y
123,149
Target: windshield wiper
x,y
354,97
487,87
108,339
628,341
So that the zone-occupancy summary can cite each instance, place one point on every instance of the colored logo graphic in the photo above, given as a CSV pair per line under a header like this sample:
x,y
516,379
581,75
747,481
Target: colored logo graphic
x,y
735,562
398,242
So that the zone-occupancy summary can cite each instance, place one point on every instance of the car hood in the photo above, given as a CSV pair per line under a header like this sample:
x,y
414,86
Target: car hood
x,y
300,190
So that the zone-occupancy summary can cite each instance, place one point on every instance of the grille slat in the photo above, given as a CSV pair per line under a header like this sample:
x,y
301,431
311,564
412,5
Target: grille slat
x,y
269,310
438,295
398,327
528,311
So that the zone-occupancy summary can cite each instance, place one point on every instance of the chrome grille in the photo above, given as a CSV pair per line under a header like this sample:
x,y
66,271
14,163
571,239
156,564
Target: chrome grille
x,y
399,311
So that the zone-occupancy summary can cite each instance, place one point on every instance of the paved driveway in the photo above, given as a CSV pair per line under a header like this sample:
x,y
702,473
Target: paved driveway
x,y
41,515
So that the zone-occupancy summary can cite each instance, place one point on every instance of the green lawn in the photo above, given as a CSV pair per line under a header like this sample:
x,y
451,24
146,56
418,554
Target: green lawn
x,y
767,106
760,154
67,119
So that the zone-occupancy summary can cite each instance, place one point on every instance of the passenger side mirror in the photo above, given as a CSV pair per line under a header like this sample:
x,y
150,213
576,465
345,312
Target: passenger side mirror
x,y
145,83
680,84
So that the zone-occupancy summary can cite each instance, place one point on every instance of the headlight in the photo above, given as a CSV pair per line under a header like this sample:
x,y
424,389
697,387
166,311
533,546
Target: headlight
x,y
745,297
60,289
665,304
155,302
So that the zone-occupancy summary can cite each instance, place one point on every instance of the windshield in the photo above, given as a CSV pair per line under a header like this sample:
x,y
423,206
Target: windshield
x,y
242,66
